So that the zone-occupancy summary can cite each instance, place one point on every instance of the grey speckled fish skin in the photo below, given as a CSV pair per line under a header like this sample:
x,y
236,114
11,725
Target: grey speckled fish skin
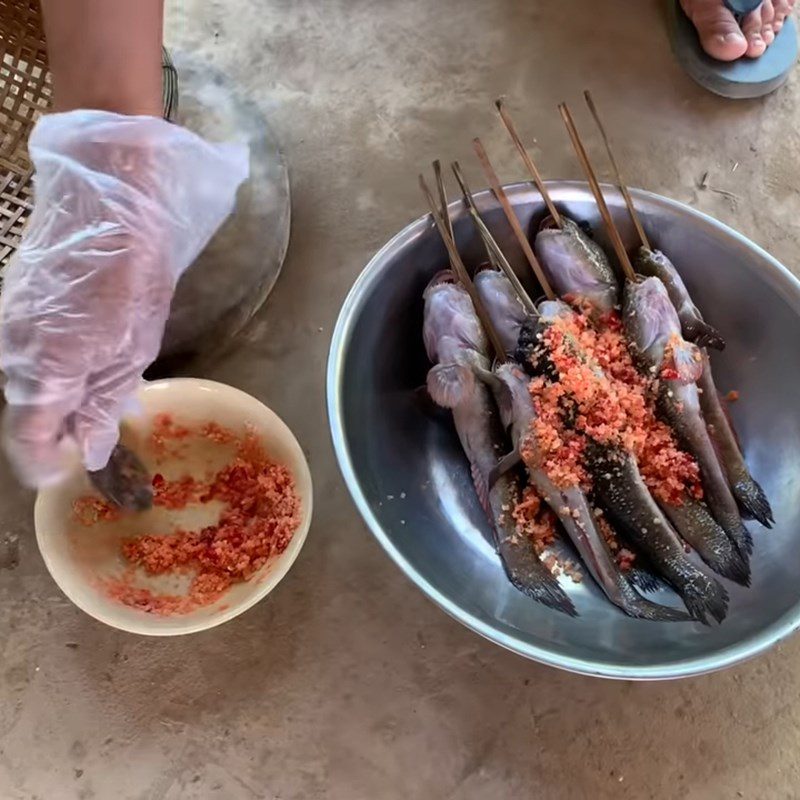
x,y
680,406
620,488
572,508
456,344
653,263
577,267
651,324
523,566
697,526
748,493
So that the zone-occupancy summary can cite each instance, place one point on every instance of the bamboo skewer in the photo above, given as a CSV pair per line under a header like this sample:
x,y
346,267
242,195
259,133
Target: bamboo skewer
x,y
528,161
492,251
439,177
461,270
620,182
491,243
613,233
512,219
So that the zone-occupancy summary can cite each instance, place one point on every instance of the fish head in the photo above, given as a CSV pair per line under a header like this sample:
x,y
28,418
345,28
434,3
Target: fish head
x,y
654,330
450,323
504,308
577,267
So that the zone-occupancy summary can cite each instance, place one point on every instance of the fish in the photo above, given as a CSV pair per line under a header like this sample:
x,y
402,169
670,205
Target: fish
x,y
653,263
577,267
654,335
495,290
457,346
570,504
748,493
698,528
620,488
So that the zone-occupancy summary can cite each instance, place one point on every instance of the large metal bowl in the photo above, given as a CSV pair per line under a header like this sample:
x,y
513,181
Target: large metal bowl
x,y
408,477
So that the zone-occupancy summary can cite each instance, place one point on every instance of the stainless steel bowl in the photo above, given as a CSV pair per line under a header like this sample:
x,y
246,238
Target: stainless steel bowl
x,y
407,475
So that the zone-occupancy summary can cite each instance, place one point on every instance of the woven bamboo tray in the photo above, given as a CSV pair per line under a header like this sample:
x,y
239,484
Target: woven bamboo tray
x,y
25,93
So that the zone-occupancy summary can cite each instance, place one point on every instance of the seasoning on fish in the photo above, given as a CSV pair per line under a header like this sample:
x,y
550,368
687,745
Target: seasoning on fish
x,y
611,421
653,263
570,504
748,493
609,404
653,329
457,346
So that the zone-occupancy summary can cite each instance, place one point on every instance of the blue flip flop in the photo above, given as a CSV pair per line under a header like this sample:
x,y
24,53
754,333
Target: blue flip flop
x,y
740,79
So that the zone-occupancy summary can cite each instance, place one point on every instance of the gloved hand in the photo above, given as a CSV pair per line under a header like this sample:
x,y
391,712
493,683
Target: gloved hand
x,y
123,205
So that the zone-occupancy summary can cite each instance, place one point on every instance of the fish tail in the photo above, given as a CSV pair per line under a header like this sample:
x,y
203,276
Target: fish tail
x,y
702,334
699,529
545,591
634,605
731,565
645,609
704,596
753,501
740,536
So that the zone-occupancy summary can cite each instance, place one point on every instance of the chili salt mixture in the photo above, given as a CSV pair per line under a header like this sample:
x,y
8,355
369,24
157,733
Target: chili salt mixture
x,y
261,512
600,395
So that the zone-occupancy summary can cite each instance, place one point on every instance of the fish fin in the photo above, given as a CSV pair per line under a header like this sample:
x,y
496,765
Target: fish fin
x,y
753,501
727,560
546,593
533,579
506,463
704,596
482,486
645,580
640,608
687,360
448,384
697,330
740,536
487,376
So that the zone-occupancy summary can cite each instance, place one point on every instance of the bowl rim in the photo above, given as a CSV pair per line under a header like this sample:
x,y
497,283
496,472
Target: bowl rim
x,y
281,567
776,274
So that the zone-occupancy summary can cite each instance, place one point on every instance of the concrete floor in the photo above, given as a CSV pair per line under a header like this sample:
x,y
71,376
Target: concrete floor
x,y
347,683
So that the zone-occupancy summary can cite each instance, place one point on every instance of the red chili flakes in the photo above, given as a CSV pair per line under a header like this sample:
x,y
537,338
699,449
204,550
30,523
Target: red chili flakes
x,y
167,437
91,510
534,520
732,396
622,556
261,513
217,434
177,494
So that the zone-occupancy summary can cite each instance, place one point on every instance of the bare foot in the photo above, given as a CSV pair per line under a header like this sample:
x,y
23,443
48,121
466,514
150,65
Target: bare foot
x,y
725,39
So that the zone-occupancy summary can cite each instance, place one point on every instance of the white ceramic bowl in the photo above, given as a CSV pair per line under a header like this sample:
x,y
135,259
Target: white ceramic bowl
x,y
77,556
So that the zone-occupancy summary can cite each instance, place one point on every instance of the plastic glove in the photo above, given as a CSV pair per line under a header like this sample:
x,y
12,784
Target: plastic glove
x,y
123,206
